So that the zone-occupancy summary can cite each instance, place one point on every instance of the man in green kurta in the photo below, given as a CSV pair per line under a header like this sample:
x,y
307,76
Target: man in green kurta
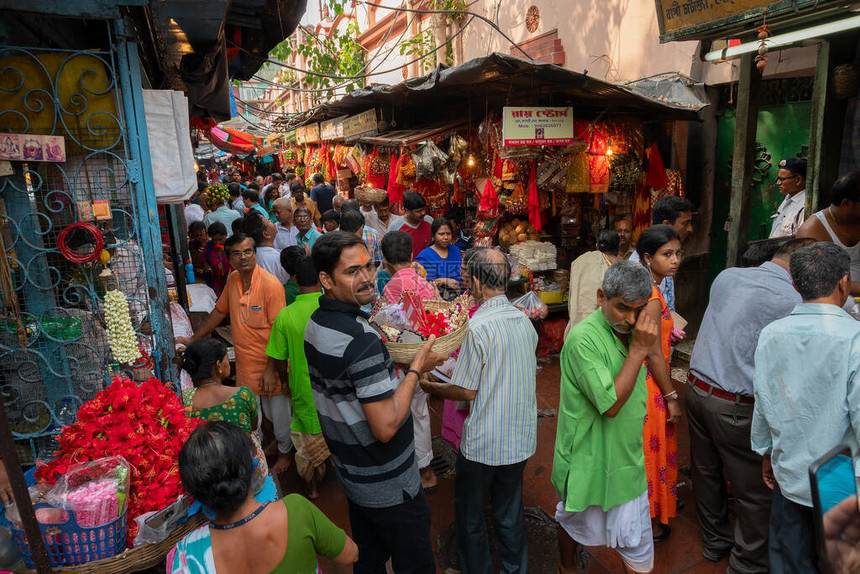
x,y
286,351
599,464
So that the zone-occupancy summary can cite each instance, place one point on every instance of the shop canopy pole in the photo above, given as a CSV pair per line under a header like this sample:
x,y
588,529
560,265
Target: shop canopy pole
x,y
746,122
817,128
9,455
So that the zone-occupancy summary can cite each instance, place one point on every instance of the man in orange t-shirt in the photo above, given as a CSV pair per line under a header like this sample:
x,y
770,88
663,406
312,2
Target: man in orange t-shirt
x,y
252,298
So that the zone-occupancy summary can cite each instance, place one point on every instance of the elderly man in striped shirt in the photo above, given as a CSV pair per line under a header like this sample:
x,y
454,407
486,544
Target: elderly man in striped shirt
x,y
496,371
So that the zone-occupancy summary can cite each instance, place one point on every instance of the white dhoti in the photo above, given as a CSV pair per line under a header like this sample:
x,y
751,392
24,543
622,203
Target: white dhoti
x,y
421,427
626,528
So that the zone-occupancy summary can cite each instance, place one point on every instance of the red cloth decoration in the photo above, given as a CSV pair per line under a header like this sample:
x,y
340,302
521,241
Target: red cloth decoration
x,y
599,139
457,197
534,199
489,199
656,170
641,207
598,168
497,168
395,190
375,181
581,131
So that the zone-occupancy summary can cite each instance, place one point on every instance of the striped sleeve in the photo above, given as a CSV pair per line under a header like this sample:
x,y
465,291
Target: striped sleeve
x,y
367,368
467,373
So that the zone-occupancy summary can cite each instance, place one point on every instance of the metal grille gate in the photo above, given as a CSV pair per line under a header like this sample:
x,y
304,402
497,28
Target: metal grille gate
x,y
93,100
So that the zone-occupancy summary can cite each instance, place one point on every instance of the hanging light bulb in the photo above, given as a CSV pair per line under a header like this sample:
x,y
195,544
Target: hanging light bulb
x,y
609,148
470,161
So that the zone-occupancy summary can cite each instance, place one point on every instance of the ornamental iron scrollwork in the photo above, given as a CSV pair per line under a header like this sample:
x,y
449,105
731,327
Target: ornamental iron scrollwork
x,y
63,357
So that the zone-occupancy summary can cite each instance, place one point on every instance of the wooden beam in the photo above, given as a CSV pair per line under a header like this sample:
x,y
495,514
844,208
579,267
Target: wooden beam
x,y
746,122
816,128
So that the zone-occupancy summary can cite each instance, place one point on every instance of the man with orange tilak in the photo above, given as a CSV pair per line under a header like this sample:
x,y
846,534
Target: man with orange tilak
x,y
364,412
252,298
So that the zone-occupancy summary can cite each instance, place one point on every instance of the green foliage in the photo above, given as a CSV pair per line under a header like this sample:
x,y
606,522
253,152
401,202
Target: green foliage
x,y
450,5
421,45
336,55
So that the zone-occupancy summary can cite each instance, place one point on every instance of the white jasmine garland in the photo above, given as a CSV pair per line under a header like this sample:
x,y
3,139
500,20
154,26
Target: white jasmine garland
x,y
121,336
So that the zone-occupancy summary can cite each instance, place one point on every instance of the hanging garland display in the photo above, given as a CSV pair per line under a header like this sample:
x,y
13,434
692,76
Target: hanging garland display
x,y
77,256
121,336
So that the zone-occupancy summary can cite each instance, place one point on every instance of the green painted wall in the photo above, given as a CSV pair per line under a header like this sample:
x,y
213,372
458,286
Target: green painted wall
x,y
783,131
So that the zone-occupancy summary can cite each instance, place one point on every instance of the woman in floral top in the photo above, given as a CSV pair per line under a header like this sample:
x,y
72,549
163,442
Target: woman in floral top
x,y
207,363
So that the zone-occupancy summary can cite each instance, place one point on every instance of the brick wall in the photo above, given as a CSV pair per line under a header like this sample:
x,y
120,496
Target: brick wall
x,y
544,48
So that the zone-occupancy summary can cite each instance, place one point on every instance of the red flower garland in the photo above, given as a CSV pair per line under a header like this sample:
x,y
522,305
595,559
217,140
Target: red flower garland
x,y
146,424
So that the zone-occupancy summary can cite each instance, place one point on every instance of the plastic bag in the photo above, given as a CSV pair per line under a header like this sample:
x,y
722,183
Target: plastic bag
x,y
429,160
38,493
551,337
392,315
532,306
153,527
96,491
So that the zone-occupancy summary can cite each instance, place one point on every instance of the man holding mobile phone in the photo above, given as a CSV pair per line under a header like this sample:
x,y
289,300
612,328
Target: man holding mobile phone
x,y
807,397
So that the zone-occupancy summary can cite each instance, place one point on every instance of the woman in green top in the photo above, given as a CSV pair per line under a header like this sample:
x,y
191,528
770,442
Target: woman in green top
x,y
207,363
290,257
282,537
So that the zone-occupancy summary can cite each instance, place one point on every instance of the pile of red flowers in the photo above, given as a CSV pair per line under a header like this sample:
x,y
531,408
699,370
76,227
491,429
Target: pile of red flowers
x,y
434,324
145,424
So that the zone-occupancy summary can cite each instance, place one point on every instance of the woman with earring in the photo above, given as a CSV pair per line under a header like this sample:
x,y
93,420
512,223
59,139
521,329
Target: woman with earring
x,y
244,534
207,363
659,249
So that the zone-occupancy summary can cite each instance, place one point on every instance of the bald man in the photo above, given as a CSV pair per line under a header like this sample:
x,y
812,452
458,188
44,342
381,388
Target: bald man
x,y
287,232
336,202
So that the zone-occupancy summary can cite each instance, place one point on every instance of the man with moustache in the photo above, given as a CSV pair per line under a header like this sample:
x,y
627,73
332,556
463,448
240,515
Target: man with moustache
x,y
599,461
624,229
365,412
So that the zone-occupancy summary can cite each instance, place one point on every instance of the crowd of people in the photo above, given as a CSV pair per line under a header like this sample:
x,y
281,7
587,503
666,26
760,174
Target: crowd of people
x,y
298,273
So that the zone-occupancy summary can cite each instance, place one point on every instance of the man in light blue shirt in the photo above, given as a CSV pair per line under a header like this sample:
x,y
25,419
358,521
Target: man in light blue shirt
x,y
308,234
807,397
496,370
251,199
282,209
719,401
223,214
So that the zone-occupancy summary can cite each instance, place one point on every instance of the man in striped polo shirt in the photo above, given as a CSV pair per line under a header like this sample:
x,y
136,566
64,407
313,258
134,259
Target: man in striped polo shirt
x,y
496,370
364,412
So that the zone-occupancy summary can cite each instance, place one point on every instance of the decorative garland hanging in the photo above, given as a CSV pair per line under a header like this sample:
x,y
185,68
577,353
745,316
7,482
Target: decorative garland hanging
x,y
763,33
77,256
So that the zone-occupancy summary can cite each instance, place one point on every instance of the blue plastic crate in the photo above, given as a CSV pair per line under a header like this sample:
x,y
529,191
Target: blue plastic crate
x,y
70,544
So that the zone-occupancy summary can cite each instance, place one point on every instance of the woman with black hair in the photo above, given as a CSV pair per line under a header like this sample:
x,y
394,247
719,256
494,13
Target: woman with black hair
x,y
207,363
442,260
247,536
659,249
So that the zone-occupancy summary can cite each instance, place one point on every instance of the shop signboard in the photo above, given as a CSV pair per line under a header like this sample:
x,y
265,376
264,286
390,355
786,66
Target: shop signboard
x,y
308,134
537,126
332,129
363,124
700,19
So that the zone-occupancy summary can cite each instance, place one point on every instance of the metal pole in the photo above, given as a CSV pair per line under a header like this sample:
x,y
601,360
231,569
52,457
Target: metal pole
x,y
9,454
146,209
817,128
746,122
